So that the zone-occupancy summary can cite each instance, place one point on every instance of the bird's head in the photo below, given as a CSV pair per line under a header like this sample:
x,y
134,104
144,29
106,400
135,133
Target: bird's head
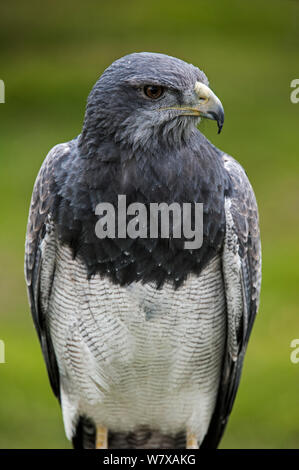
x,y
144,98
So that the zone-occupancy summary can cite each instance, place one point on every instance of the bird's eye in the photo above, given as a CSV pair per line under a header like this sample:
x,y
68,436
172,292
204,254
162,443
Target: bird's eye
x,y
153,91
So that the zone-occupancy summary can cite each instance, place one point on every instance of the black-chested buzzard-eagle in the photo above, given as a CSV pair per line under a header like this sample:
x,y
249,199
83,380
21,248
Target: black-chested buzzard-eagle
x,y
143,339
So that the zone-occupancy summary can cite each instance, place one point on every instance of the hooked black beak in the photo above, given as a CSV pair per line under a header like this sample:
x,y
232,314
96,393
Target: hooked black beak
x,y
218,116
210,106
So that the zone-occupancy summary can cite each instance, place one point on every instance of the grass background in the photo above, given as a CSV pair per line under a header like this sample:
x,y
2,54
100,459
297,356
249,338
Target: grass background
x,y
51,54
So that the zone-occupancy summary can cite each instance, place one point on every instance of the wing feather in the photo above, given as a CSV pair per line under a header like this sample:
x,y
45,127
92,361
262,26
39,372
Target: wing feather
x,y
38,237
241,265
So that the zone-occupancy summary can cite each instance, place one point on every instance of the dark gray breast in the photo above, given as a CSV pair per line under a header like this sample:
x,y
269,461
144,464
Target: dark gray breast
x,y
193,173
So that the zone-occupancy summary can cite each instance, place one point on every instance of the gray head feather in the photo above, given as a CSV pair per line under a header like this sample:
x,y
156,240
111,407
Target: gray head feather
x,y
118,111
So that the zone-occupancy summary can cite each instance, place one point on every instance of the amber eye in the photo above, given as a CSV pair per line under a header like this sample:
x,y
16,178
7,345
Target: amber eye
x,y
153,91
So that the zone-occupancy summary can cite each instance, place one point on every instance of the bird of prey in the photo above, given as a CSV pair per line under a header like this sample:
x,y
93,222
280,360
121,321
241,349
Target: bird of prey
x,y
143,339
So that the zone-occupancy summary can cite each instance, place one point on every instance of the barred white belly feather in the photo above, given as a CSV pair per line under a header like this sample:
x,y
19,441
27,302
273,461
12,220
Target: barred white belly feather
x,y
136,356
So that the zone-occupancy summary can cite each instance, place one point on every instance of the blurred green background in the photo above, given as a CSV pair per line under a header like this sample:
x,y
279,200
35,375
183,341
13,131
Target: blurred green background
x,y
51,54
